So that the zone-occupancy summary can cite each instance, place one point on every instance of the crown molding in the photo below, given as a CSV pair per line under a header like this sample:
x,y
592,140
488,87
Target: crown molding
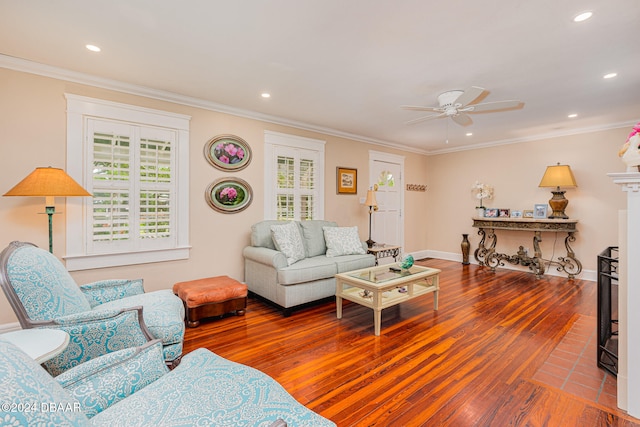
x,y
23,65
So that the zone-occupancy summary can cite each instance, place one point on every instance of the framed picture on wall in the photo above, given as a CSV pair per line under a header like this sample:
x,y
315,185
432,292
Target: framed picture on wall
x,y
346,180
540,211
228,152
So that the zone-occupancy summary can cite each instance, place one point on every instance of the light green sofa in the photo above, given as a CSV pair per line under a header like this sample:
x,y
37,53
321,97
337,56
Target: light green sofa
x,y
268,275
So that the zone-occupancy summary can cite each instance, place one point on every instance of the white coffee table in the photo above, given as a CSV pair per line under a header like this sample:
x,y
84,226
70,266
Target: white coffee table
x,y
39,344
379,288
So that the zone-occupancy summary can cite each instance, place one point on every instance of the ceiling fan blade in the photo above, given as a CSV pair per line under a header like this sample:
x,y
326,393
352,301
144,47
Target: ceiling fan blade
x,y
425,118
462,119
494,106
420,108
469,95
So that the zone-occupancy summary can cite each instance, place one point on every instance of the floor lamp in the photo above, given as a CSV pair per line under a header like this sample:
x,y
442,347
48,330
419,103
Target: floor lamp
x,y
372,204
49,183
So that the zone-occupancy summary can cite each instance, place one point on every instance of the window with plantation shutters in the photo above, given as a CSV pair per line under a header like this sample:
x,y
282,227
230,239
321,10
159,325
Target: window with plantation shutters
x,y
293,177
134,162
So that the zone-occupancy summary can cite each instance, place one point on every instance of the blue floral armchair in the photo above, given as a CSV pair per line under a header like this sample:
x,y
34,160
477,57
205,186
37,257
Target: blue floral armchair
x,y
132,387
100,317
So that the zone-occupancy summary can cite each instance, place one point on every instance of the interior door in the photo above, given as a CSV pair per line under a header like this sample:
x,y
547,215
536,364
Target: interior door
x,y
387,223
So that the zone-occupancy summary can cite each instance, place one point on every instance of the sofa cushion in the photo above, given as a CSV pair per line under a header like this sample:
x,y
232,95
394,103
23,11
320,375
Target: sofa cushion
x,y
354,262
261,234
288,240
342,241
308,270
313,236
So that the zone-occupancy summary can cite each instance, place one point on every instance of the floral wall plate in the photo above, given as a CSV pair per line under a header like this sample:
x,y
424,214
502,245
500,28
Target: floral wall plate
x,y
229,195
228,152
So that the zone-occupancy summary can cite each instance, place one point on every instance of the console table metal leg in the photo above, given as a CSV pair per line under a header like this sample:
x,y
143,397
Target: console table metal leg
x,y
569,264
538,265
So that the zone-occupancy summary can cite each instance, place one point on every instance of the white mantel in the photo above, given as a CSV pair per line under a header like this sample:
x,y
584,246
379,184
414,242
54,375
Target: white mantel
x,y
629,295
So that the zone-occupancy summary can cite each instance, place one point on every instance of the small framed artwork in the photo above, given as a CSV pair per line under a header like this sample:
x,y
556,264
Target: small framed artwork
x,y
516,214
527,213
346,180
229,195
503,213
540,211
491,213
228,152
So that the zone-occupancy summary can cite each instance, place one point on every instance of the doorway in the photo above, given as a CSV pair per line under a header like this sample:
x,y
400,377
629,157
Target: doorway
x,y
386,173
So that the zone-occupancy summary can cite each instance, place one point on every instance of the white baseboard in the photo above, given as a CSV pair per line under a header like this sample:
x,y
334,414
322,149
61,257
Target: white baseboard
x,y
9,327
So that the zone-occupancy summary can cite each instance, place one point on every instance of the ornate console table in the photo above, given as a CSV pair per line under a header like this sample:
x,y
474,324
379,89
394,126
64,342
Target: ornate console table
x,y
486,253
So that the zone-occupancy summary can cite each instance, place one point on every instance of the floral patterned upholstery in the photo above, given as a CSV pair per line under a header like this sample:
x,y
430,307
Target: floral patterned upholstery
x,y
100,317
101,382
133,388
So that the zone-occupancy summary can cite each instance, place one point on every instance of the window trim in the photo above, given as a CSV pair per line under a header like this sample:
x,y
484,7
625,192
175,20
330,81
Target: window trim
x,y
80,107
277,139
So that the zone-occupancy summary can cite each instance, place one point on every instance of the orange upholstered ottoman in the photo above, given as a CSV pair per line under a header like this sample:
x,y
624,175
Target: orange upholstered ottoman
x,y
212,296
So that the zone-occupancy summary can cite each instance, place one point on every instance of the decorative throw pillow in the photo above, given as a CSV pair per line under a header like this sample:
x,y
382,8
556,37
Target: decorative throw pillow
x,y
342,241
288,240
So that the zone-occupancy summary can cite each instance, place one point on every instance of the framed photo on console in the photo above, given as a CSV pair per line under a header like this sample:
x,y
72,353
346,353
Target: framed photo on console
x,y
540,211
491,213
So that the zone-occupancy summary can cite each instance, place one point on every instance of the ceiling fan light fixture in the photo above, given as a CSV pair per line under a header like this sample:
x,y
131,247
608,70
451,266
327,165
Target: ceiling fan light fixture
x,y
455,104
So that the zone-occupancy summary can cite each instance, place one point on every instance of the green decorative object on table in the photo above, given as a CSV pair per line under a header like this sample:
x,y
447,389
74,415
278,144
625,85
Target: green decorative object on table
x,y
406,262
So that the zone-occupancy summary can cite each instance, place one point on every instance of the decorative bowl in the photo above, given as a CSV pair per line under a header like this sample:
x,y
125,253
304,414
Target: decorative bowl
x,y
406,262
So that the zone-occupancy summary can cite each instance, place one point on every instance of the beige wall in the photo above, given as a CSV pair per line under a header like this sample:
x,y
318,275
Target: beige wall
x,y
32,134
515,171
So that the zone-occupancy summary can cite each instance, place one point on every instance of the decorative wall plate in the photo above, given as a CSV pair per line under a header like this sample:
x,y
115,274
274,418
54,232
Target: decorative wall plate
x,y
229,195
228,152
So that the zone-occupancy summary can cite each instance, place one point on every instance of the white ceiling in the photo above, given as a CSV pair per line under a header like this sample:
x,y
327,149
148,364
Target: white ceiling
x,y
347,66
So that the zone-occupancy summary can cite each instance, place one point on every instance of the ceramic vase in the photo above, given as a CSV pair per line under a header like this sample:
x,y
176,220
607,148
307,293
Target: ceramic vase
x,y
465,246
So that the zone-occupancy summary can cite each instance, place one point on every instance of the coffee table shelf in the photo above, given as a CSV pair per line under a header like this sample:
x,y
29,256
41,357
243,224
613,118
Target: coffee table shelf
x,y
384,288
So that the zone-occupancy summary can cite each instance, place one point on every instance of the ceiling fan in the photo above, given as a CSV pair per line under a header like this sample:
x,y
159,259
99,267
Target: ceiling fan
x,y
457,104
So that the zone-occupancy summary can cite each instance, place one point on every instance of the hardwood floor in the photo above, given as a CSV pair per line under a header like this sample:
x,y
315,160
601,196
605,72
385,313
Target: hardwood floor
x,y
471,363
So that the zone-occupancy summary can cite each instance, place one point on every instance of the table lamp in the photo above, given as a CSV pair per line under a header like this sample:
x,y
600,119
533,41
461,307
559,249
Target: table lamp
x,y
558,176
371,203
49,183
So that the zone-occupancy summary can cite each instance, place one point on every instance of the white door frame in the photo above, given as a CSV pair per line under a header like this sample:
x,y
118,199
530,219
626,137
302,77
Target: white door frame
x,y
390,158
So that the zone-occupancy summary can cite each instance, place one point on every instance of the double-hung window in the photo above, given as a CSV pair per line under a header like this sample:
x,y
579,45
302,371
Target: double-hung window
x,y
134,161
294,177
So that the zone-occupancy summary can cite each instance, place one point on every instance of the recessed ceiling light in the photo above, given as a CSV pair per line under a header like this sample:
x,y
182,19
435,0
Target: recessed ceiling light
x,y
266,95
583,16
93,48
572,115
469,133
609,76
